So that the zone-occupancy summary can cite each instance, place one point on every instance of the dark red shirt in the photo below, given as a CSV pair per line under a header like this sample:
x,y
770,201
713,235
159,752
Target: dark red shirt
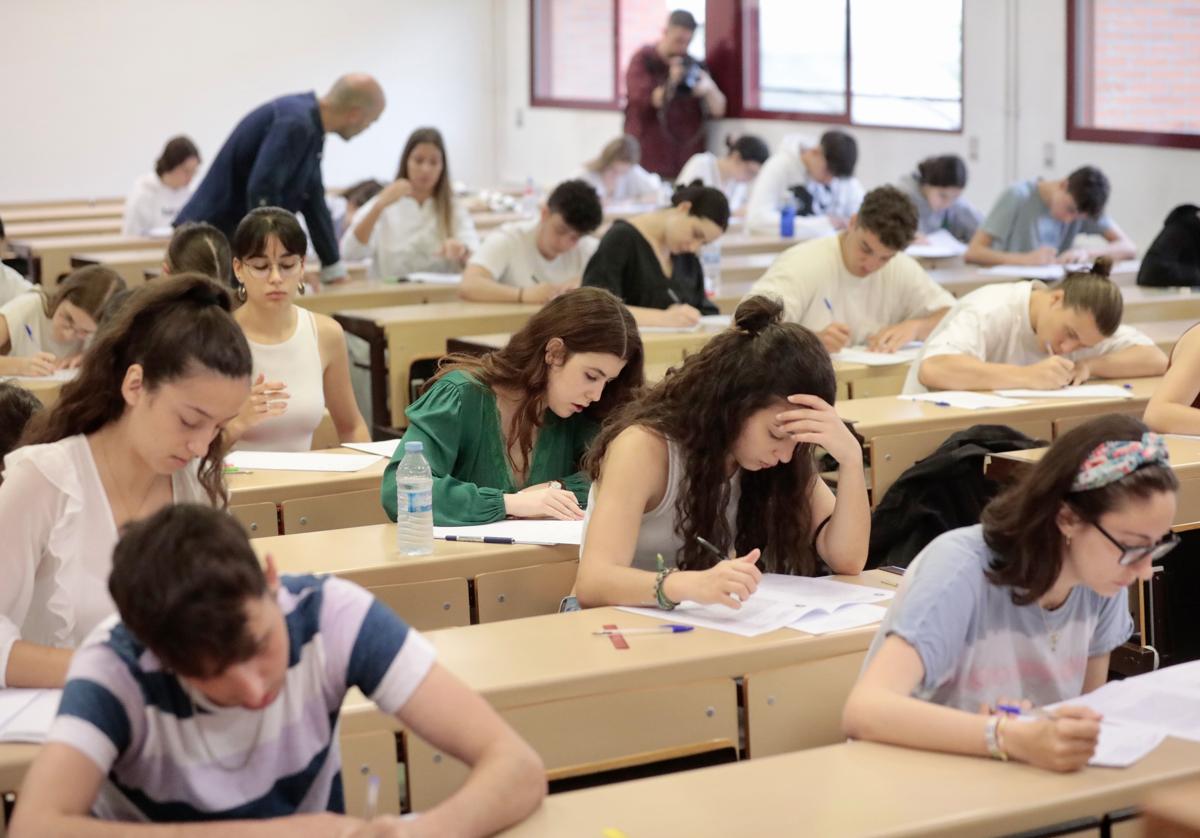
x,y
664,148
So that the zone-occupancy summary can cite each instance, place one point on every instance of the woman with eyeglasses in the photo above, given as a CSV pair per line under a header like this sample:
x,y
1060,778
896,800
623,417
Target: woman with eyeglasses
x,y
301,367
41,333
1024,609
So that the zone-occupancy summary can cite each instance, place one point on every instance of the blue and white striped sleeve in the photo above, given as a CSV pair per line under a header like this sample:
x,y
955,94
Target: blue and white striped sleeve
x,y
92,718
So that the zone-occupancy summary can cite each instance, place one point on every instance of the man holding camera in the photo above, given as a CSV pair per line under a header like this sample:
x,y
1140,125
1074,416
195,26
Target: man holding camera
x,y
670,94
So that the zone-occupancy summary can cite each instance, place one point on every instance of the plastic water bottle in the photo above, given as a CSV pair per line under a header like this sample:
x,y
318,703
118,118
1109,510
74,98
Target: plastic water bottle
x,y
529,198
414,503
787,218
710,260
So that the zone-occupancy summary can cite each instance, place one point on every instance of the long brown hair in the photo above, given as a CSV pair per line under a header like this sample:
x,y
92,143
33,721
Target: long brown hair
x,y
624,149
199,247
443,198
1020,524
172,328
585,320
702,407
88,287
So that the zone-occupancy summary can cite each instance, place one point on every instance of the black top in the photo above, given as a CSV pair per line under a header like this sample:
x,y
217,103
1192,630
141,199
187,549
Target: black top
x,y
627,265
1174,256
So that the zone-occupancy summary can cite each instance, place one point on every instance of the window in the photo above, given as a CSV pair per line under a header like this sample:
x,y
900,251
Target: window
x,y
580,48
861,62
1133,72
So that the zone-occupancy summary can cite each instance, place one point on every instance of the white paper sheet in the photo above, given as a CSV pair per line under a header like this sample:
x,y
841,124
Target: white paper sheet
x,y
1080,391
58,375
820,592
434,278
303,461
385,448
939,244
26,715
716,321
1048,272
862,355
963,398
668,330
522,531
846,617
758,615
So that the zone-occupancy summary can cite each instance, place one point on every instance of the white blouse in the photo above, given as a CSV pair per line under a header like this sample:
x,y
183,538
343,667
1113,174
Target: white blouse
x,y
59,536
406,238
703,167
152,206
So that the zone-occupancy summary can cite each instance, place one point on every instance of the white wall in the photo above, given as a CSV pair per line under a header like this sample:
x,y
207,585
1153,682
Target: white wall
x,y
1014,103
97,87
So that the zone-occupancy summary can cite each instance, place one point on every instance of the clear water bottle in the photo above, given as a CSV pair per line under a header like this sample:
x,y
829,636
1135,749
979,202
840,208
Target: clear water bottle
x,y
414,503
787,218
710,260
529,198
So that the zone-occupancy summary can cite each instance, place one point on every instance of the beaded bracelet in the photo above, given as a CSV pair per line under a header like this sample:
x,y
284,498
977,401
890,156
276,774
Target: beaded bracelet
x,y
664,602
991,735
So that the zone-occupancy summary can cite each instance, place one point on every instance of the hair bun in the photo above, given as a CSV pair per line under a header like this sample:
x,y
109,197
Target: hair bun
x,y
757,313
1102,266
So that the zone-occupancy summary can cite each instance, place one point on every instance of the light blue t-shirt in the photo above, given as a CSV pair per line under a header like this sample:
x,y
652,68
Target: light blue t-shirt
x,y
977,647
960,219
1020,222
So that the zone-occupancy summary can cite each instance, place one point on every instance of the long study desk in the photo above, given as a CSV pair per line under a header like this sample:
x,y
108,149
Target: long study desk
x,y
63,227
50,256
82,212
249,487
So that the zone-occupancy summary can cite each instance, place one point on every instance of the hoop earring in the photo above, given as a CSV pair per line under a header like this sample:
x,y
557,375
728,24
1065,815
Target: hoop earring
x,y
241,292
302,288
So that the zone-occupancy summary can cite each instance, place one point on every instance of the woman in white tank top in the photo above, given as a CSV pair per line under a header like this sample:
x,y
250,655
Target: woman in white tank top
x,y
722,451
301,367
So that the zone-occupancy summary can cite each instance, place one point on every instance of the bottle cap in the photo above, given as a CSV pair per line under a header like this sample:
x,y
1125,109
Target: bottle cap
x,y
411,447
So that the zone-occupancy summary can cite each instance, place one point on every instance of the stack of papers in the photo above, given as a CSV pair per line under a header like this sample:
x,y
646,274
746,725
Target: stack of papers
x,y
965,399
1080,391
433,278
302,461
519,532
861,355
58,375
26,715
806,604
386,448
939,244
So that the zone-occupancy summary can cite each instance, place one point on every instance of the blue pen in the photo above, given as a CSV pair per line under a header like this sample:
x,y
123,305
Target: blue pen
x,y
672,628
1014,710
942,404
29,331
829,305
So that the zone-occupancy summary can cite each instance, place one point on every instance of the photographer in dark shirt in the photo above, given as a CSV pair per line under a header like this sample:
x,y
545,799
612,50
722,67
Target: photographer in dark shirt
x,y
670,94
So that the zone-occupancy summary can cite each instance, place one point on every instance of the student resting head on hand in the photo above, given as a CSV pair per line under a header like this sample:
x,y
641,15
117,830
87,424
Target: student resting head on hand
x,y
42,332
504,433
216,698
140,428
723,449
1024,609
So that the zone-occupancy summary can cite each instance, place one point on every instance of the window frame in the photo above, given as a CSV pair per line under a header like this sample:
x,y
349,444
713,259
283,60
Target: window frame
x,y
1079,132
536,101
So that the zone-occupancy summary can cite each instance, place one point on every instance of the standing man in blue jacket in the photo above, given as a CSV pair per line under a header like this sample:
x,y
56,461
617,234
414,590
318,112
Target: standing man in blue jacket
x,y
273,158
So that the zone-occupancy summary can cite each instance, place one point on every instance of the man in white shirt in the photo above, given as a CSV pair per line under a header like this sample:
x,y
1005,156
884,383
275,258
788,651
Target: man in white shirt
x,y
858,286
825,169
1023,335
535,261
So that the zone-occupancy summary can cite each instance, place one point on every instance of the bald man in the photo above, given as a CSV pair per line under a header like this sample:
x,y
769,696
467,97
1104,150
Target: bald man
x,y
273,158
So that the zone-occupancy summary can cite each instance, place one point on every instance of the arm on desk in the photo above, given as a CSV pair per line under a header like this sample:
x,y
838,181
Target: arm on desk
x,y
965,372
1131,362
1170,409
980,252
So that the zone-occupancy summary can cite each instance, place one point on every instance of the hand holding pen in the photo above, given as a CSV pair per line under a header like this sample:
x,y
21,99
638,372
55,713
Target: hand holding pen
x,y
835,336
1063,740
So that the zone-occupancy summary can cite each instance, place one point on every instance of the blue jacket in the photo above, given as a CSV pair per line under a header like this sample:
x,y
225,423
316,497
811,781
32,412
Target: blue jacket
x,y
272,159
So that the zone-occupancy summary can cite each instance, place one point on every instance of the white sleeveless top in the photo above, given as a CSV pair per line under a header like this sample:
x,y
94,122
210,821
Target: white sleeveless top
x,y
657,532
297,363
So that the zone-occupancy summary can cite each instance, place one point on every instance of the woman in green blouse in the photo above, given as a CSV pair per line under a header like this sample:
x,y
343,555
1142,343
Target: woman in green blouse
x,y
504,433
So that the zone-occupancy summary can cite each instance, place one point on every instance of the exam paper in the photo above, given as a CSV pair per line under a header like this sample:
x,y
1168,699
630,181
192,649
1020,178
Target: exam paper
x,y
716,321
1080,391
846,617
965,399
939,244
26,715
861,355
301,461
57,375
386,448
521,531
1048,272
434,278
758,615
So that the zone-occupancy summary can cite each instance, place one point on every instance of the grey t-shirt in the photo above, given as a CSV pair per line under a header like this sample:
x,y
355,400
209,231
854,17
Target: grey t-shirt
x,y
977,647
1020,222
960,219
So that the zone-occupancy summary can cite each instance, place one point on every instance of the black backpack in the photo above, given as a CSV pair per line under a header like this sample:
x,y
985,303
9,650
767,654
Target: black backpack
x,y
1173,258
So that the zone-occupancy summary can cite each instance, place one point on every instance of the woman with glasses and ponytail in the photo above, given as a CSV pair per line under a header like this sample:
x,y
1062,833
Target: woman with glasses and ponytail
x,y
301,367
1023,610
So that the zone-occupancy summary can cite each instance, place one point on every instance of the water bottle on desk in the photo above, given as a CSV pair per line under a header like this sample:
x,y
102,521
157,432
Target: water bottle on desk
x,y
414,503
529,198
787,218
710,261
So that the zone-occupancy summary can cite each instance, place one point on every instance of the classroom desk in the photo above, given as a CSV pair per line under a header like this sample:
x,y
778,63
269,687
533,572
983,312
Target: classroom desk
x,y
46,390
64,227
1165,333
131,264
744,269
50,256
1172,812
361,292
73,203
69,213
279,486
488,220
860,789
897,433
739,244
959,278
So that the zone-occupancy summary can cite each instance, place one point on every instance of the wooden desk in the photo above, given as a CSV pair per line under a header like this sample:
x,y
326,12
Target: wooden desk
x,y
1165,333
859,789
66,227
739,244
66,203
745,269
46,390
50,256
68,213
400,335
489,220
1173,812
130,264
1150,304
897,433
960,278
361,292
279,486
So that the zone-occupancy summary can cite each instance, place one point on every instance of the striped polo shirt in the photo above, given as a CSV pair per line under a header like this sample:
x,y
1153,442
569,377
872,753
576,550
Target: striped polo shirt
x,y
170,755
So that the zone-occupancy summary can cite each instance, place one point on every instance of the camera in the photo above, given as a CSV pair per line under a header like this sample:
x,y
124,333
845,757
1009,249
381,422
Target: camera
x,y
691,74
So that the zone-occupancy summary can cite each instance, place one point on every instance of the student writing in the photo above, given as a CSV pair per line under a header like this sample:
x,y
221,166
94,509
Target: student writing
x,y
936,188
617,176
158,196
732,172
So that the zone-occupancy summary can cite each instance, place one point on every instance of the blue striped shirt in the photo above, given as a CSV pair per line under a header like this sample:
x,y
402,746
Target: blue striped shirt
x,y
170,755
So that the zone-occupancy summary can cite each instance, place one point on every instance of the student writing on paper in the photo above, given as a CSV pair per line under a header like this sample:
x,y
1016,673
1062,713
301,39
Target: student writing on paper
x,y
859,286
41,332
617,176
158,196
733,172
17,407
1025,335
138,429
823,170
1025,608
199,247
11,282
1035,222
217,695
722,449
535,261
504,433
415,223
1175,406
650,261
935,189
301,365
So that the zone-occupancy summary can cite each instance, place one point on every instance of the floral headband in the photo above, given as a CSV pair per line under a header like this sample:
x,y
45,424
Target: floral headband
x,y
1110,461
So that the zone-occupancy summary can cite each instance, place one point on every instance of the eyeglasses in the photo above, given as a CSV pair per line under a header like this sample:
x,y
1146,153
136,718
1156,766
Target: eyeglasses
x,y
287,270
74,328
1133,555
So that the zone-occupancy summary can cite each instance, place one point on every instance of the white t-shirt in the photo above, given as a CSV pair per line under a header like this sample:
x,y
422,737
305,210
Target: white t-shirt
x,y
992,324
152,206
30,331
59,535
12,284
636,184
703,167
807,275
784,169
511,256
406,238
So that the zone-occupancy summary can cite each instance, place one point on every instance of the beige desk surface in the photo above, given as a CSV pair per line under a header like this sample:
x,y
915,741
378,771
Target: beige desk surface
x,y
746,268
130,264
959,278
62,203
14,762
62,227
888,414
56,251
361,292
1184,451
367,555
857,789
66,213
47,391
736,244
278,486
1164,333
1173,812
